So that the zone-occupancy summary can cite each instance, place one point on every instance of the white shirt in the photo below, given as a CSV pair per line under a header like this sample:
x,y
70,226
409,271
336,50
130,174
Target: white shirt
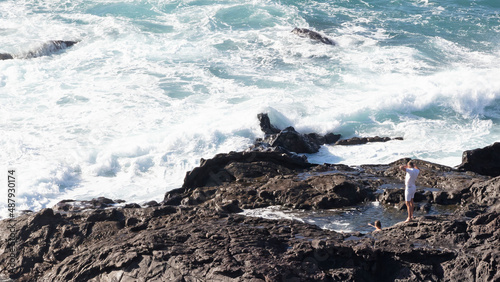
x,y
411,176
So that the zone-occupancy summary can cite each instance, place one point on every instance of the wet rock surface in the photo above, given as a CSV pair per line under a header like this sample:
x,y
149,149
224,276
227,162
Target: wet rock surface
x,y
45,49
304,32
364,140
5,56
97,203
289,140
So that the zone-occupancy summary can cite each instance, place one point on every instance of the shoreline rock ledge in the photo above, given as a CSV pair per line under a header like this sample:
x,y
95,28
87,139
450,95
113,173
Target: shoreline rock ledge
x,y
197,233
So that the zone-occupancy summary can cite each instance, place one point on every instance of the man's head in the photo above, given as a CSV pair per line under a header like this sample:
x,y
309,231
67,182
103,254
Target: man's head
x,y
411,164
378,224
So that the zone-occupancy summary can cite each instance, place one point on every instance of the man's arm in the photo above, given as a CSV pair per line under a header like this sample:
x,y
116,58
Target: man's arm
x,y
403,167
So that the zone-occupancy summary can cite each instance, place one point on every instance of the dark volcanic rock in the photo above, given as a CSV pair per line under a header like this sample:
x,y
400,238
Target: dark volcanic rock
x,y
72,205
44,50
293,141
198,236
265,124
5,56
392,196
304,32
364,140
331,138
290,140
486,193
49,48
485,161
194,243
214,172
255,181
260,179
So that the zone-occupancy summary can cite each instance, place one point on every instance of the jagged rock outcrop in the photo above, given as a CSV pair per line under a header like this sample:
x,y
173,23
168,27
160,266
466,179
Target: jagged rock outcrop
x,y
289,140
217,170
265,124
293,141
485,193
485,161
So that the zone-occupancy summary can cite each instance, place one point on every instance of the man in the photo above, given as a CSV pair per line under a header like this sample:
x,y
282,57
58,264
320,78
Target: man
x,y
412,172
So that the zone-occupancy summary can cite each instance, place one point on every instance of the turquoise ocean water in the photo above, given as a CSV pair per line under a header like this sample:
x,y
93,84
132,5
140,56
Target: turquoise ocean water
x,y
153,86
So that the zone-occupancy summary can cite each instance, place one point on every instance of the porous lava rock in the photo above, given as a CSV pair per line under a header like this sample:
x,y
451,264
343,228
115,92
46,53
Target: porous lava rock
x,y
485,161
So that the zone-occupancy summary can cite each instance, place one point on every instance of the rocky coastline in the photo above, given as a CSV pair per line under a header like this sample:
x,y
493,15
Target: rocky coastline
x,y
198,234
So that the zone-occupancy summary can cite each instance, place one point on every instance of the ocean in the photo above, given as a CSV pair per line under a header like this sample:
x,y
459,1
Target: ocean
x,y
153,86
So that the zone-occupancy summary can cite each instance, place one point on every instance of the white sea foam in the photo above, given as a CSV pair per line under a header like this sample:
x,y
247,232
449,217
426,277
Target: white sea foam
x,y
273,212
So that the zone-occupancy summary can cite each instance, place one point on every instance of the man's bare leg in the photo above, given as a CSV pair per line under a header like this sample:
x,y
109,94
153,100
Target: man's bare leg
x,y
412,208
408,208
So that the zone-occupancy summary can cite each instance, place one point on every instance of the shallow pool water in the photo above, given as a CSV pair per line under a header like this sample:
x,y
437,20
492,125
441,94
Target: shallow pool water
x,y
349,219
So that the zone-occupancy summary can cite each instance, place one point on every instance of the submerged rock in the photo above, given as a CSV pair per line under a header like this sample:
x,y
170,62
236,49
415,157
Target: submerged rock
x,y
304,32
49,48
5,56
46,49
364,140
